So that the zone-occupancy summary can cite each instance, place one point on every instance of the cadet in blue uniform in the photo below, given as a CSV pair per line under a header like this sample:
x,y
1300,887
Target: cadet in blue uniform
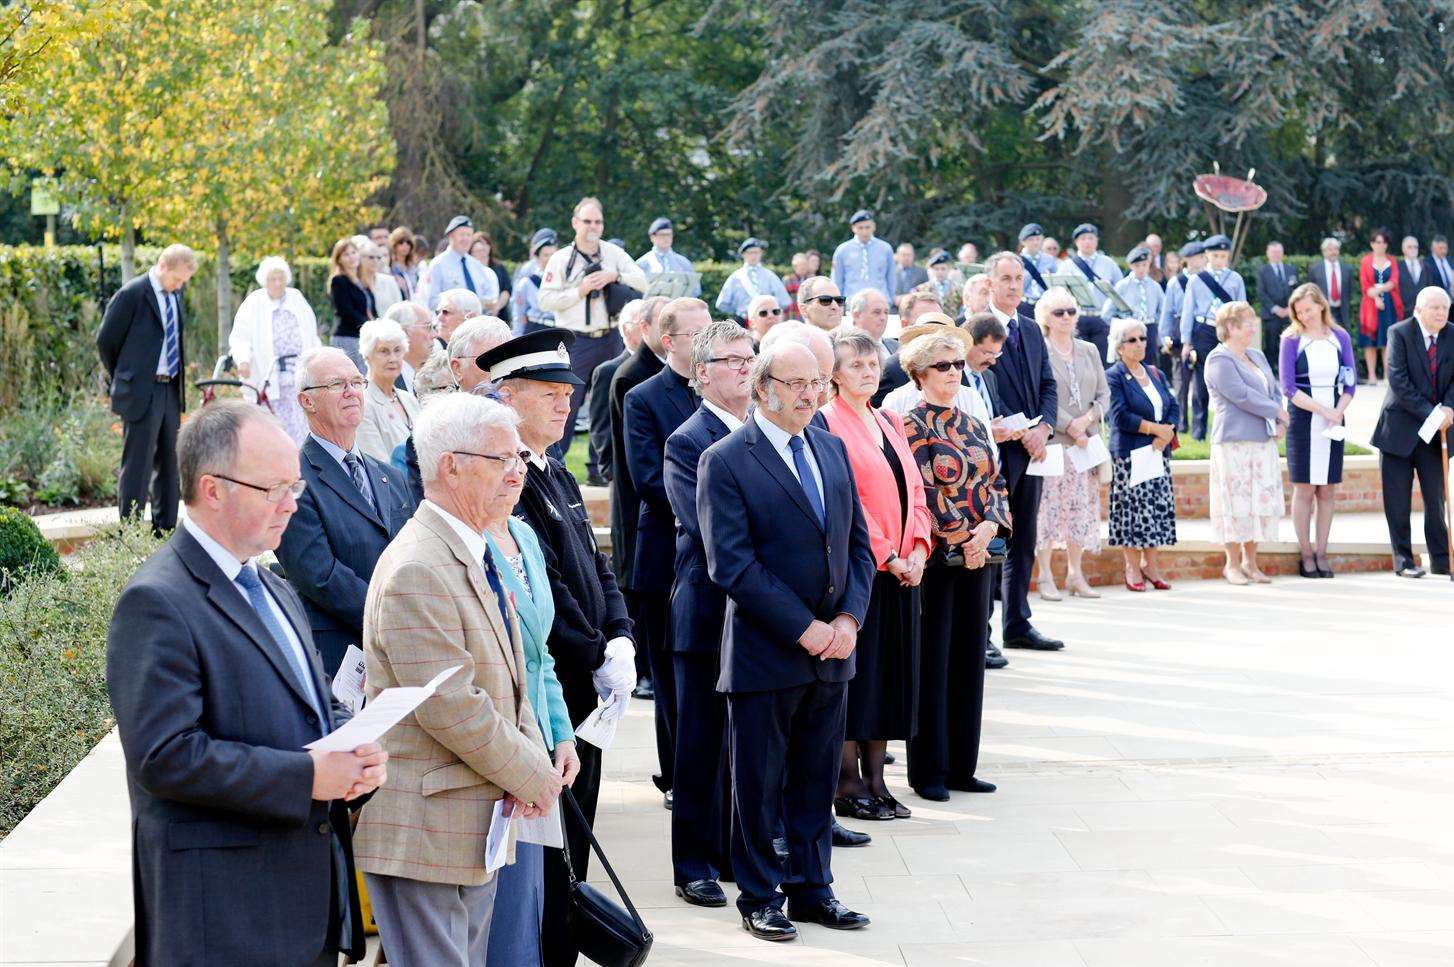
x,y
1094,265
1206,292
661,258
863,262
528,315
1193,260
749,282
1038,266
1144,297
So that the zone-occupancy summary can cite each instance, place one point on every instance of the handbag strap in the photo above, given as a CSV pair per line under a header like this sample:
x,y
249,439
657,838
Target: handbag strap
x,y
575,810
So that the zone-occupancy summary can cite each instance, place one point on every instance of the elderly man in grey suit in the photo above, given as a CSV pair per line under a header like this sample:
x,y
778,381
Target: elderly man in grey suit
x,y
240,835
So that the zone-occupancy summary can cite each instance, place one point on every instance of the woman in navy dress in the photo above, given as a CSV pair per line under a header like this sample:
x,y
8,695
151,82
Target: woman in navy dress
x,y
1318,379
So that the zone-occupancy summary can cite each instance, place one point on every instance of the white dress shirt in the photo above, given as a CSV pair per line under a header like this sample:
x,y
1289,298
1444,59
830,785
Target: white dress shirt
x,y
730,419
474,542
781,441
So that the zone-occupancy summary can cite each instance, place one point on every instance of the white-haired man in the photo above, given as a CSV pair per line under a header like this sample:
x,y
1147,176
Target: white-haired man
x,y
599,459
1334,278
763,312
419,331
869,310
437,602
454,306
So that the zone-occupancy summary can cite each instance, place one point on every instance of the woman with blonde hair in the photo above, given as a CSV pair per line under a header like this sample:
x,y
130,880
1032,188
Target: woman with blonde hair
x,y
404,261
353,303
1319,377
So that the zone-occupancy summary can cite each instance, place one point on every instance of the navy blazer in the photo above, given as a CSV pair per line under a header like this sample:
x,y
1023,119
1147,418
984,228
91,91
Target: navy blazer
x,y
1026,381
1129,406
1412,391
625,504
652,411
779,567
331,545
130,345
232,858
697,605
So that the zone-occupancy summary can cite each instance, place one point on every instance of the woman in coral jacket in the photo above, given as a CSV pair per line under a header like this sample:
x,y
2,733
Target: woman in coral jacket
x,y
1382,305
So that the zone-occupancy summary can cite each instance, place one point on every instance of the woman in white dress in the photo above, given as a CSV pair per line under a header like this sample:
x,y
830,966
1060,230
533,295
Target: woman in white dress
x,y
1318,375
272,329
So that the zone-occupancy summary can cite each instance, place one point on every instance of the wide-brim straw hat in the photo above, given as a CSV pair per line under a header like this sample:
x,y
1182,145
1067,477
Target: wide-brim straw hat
x,y
935,322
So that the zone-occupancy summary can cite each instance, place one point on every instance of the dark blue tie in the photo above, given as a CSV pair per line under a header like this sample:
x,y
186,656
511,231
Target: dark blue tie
x,y
257,597
464,266
492,575
808,479
169,335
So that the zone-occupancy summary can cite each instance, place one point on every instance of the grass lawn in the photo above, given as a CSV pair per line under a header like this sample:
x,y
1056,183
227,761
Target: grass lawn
x,y
1202,450
575,458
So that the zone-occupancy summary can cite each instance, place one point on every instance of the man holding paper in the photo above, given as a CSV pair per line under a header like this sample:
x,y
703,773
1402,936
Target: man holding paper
x,y
437,601
240,836
1419,405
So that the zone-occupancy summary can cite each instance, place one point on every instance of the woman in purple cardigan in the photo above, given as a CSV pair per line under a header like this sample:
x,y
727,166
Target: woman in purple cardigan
x,y
1318,379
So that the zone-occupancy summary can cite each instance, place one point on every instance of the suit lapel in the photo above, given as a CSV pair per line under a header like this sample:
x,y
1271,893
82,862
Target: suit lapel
x,y
681,397
338,480
293,609
772,461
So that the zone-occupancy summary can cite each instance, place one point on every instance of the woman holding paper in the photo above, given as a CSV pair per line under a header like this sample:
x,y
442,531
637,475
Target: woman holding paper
x,y
520,896
1070,504
1143,418
1318,375
1246,472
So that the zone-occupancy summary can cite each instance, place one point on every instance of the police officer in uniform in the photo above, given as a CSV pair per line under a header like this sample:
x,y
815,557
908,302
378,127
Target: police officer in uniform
x,y
1206,292
1143,295
1094,266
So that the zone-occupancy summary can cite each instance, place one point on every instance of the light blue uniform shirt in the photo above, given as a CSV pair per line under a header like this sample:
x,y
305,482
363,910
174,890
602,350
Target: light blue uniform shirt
x,y
857,266
1046,265
1199,305
1144,297
746,284
526,300
1171,307
447,271
655,263
1102,264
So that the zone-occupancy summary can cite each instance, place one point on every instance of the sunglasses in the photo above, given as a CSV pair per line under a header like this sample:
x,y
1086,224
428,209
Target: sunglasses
x,y
1062,313
946,365
764,313
1134,339
828,300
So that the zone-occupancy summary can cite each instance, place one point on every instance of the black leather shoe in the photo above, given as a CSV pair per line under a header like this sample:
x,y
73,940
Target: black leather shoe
x,y
1411,571
972,785
1303,571
890,758
993,657
843,836
596,480
862,807
900,811
769,924
1035,641
703,893
780,847
827,913
643,689
666,799
933,793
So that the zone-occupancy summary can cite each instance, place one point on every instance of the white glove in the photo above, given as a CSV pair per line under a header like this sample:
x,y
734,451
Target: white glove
x,y
618,672
615,707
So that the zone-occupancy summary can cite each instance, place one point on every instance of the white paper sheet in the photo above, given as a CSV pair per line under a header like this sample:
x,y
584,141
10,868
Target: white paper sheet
x,y
543,830
1339,432
597,729
1093,454
348,681
1146,464
1018,421
497,843
1432,424
1052,466
380,715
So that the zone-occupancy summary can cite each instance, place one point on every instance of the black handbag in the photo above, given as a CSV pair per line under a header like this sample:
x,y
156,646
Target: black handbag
x,y
603,932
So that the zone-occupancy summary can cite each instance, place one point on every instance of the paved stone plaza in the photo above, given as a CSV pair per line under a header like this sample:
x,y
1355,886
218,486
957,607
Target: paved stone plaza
x,y
1214,775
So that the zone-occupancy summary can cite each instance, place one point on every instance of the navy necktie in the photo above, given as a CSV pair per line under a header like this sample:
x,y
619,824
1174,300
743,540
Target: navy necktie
x,y
257,597
492,575
169,335
464,266
356,471
808,479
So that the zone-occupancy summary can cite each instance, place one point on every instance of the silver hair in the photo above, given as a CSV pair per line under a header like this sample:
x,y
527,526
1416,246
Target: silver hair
x,y
433,377
1408,238
915,357
997,258
464,301
1123,327
456,421
1330,240
469,338
708,340
760,372
407,314
1054,297
178,255
271,264
766,298
1429,294
311,357
208,442
632,313
376,331
860,300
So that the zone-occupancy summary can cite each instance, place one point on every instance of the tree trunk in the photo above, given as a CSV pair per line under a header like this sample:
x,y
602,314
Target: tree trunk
x,y
224,286
128,247
1116,232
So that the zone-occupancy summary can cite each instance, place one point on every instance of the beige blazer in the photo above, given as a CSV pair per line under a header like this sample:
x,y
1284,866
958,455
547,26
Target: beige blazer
x,y
1095,393
383,428
429,607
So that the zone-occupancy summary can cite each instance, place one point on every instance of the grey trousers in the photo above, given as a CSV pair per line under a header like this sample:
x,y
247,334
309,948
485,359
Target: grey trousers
x,y
432,924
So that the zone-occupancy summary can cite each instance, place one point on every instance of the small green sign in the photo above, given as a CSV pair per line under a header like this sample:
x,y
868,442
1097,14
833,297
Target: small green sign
x,y
44,198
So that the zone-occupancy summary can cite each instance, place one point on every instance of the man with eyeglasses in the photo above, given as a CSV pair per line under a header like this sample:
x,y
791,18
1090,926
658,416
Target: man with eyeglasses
x,y
701,819
456,268
750,281
652,411
763,313
217,688
591,638
820,303
352,507
455,306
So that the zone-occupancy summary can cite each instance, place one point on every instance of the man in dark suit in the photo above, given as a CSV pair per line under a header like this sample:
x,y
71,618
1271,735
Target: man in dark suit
x,y
1440,272
353,507
598,402
907,275
240,836
786,540
651,412
1275,282
1027,386
1420,379
591,638
1334,278
701,817
625,505
141,346
1412,272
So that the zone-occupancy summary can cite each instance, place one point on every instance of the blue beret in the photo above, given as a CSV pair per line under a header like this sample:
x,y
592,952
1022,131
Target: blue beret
x,y
1217,243
542,238
1190,249
1138,254
1031,230
940,258
862,215
748,243
1085,228
459,221
660,225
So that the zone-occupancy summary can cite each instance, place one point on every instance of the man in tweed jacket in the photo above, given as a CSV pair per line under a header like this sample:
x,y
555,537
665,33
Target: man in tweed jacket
x,y
436,601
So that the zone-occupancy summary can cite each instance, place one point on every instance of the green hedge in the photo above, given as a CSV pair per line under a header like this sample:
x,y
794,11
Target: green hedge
x,y
53,702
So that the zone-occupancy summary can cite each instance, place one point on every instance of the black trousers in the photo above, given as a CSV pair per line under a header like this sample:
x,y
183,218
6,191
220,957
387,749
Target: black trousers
x,y
1024,509
585,355
945,749
701,817
1181,385
149,459
786,746
1203,341
557,942
651,624
1095,330
1397,475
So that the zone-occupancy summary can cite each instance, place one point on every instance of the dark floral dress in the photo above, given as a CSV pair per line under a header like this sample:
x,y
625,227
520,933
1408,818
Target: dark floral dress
x,y
962,485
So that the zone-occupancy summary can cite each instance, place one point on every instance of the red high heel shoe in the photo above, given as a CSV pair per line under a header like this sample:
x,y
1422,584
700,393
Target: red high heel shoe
x,y
1158,583
1138,586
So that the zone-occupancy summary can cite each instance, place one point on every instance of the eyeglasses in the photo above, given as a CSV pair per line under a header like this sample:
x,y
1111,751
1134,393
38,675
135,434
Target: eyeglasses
x,y
734,363
358,384
512,462
1127,339
828,300
272,494
1062,313
764,313
944,366
798,385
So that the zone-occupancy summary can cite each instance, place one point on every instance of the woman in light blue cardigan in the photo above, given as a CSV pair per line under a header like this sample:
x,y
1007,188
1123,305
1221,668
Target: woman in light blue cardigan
x,y
520,895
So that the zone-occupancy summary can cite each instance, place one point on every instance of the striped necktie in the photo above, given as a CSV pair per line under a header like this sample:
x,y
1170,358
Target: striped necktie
x,y
170,340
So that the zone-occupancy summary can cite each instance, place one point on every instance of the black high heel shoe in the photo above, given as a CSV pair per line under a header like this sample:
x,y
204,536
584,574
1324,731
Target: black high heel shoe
x,y
1303,571
1323,572
900,811
862,807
